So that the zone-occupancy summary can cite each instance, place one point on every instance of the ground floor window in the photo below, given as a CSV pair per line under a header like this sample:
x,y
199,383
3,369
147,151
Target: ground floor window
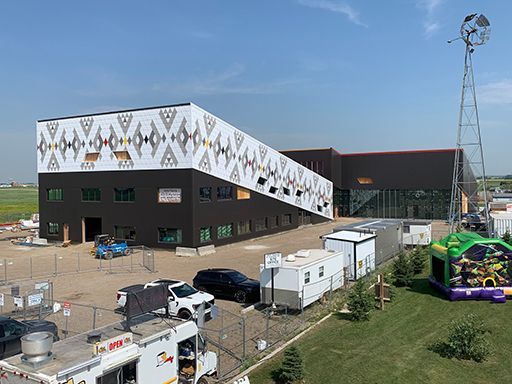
x,y
53,228
169,235
205,234
224,231
287,219
244,227
260,224
124,232
273,221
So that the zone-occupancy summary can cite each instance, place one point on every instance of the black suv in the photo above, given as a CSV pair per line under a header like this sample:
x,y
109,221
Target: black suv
x,y
228,284
11,331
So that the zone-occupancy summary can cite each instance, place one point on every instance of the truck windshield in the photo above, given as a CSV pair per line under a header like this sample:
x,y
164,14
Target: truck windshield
x,y
184,290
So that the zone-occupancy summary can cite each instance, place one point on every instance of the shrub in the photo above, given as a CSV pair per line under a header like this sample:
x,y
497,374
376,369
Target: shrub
x,y
292,367
360,302
506,238
466,340
402,271
418,259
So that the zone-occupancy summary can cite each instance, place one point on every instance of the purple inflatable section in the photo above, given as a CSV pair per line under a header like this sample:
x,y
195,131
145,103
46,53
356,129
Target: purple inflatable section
x,y
463,293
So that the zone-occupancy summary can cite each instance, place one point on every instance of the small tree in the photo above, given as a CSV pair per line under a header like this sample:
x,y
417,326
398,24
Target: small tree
x,y
466,340
418,259
402,271
506,237
292,367
360,302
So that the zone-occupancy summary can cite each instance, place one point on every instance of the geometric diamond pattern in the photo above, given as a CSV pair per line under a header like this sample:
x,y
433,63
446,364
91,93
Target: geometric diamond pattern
x,y
179,137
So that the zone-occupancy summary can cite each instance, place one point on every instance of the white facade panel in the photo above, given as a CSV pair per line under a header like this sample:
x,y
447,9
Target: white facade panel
x,y
179,137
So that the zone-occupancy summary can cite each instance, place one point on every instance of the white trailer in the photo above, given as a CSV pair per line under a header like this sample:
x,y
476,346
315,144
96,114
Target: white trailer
x,y
417,232
501,223
303,278
358,249
156,351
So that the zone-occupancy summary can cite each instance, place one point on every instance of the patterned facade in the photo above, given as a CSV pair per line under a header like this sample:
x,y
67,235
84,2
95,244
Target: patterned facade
x,y
178,137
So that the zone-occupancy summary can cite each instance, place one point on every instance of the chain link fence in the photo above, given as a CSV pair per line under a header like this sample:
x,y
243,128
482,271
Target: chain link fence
x,y
141,258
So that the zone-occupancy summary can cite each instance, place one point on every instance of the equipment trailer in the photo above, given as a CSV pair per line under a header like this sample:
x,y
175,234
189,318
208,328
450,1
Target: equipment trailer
x,y
152,351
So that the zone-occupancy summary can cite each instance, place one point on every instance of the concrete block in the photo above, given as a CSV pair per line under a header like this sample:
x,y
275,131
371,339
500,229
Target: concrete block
x,y
186,252
206,250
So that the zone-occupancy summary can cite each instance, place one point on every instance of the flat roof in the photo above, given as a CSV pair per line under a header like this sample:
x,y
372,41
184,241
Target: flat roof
x,y
75,350
400,152
370,224
118,111
314,256
353,237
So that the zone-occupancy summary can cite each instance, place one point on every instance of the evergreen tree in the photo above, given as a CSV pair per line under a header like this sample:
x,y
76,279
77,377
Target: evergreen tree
x,y
418,259
292,367
402,271
360,301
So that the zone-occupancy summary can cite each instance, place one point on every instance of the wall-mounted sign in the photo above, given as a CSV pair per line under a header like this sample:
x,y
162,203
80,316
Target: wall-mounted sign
x,y
113,344
273,260
169,195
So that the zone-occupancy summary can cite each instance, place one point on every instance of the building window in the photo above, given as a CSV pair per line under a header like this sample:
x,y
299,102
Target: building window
x,y
205,234
407,229
272,190
205,194
365,180
242,193
287,219
224,231
321,271
53,228
273,221
122,155
260,224
91,194
124,194
261,180
91,157
124,232
298,193
55,194
225,193
244,227
307,278
169,235
286,191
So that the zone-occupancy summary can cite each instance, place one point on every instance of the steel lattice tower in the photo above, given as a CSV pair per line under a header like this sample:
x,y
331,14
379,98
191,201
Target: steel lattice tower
x,y
469,157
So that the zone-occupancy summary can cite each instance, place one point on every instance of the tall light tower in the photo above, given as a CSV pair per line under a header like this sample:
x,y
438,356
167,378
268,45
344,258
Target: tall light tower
x,y
469,156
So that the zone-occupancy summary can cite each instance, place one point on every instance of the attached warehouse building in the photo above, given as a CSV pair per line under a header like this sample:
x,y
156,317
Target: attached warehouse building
x,y
169,176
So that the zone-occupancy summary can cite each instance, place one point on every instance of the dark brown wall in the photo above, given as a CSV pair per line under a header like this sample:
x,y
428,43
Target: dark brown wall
x,y
406,170
146,214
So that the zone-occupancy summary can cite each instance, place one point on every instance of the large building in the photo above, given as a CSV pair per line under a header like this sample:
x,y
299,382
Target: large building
x,y
169,176
406,184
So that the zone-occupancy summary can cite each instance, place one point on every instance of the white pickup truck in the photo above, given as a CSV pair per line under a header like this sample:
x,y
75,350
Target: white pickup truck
x,y
183,300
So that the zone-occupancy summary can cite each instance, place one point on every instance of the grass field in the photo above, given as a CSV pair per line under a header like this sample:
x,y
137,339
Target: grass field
x,y
17,203
392,346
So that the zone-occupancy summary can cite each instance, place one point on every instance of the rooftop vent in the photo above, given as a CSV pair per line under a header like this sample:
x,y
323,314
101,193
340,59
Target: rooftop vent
x,y
93,337
290,258
303,253
36,348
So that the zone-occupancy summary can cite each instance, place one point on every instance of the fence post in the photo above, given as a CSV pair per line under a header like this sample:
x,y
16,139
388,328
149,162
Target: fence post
x,y
93,317
267,316
330,293
110,265
55,264
31,268
131,261
243,338
5,270
78,261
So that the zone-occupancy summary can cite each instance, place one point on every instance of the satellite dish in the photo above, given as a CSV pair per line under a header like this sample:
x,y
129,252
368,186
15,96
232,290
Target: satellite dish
x,y
475,30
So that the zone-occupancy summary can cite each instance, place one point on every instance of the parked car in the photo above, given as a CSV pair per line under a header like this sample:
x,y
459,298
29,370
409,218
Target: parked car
x,y
229,284
183,299
12,330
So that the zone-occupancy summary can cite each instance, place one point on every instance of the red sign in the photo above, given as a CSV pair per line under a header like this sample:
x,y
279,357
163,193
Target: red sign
x,y
67,305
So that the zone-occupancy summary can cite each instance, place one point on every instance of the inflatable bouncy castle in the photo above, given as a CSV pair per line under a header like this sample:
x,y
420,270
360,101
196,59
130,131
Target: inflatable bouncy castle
x,y
468,266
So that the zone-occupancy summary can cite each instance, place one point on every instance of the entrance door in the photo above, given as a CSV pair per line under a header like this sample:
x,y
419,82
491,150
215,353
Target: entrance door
x,y
66,232
91,227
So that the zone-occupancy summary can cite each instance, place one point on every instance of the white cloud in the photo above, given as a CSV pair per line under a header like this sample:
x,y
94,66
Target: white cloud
x,y
337,6
498,92
430,24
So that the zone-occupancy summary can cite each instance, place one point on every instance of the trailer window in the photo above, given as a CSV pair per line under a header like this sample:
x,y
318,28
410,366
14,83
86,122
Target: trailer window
x,y
307,278
125,374
321,271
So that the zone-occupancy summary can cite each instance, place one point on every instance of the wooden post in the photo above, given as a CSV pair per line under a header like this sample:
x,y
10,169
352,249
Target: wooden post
x,y
381,291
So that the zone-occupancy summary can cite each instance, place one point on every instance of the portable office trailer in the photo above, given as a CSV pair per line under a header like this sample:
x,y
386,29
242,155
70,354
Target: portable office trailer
x,y
389,236
417,232
358,249
303,278
501,223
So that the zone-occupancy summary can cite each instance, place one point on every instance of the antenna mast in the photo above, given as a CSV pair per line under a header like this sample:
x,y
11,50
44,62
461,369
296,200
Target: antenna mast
x,y
469,157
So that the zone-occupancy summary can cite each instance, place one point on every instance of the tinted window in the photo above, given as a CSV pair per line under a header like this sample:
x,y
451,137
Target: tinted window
x,y
184,290
237,277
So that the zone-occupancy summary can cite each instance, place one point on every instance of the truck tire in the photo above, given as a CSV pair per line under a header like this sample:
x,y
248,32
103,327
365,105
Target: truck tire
x,y
109,255
184,314
202,380
127,252
240,296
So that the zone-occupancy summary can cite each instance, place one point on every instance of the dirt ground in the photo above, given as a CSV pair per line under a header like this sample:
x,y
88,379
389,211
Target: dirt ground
x,y
99,287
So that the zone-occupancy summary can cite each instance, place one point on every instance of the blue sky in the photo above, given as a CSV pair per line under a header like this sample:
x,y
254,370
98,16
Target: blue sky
x,y
357,75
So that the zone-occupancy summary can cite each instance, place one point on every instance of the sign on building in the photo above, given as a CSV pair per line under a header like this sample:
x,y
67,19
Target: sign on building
x,y
169,195
273,260
113,344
